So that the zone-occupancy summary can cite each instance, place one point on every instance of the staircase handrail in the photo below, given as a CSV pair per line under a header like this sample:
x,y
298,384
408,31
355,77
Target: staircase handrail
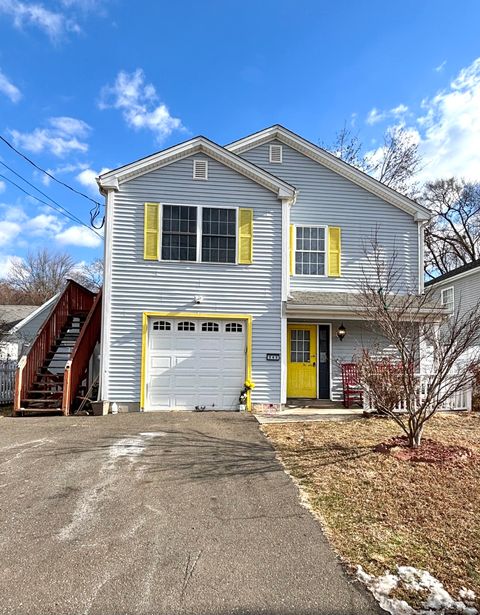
x,y
74,298
81,353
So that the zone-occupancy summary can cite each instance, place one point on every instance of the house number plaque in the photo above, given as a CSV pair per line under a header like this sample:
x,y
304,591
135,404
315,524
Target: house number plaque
x,y
272,357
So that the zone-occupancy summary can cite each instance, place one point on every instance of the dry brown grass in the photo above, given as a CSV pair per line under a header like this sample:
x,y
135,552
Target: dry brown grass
x,y
380,512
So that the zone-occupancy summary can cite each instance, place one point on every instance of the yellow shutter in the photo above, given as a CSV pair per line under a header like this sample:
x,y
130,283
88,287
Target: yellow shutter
x,y
292,249
150,243
245,237
334,251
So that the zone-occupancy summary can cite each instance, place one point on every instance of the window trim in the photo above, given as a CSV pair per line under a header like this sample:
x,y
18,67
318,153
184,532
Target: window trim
x,y
307,275
444,290
199,232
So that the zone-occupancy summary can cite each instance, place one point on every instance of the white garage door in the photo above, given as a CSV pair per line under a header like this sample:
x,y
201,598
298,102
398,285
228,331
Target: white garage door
x,y
195,364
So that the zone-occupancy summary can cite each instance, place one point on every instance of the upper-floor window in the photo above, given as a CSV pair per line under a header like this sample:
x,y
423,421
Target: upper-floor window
x,y
310,250
205,234
219,239
448,298
179,233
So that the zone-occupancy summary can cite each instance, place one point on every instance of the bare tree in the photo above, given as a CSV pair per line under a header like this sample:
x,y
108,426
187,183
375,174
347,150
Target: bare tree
x,y
395,163
40,275
452,238
417,333
348,147
90,274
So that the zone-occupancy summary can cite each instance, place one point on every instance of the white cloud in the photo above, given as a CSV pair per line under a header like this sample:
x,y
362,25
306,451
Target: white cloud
x,y
78,236
44,225
447,129
60,170
87,178
375,116
6,261
7,88
8,231
139,104
52,23
64,135
440,67
450,128
3,186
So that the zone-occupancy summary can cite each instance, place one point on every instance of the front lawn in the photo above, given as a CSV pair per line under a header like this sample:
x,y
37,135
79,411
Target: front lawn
x,y
381,512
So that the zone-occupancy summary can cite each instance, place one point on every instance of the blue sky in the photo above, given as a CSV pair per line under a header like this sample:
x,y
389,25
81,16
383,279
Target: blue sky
x,y
92,84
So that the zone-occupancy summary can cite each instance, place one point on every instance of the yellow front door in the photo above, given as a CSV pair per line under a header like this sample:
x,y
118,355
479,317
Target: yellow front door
x,y
302,361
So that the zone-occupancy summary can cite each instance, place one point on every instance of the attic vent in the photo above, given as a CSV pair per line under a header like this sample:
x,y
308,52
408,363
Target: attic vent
x,y
276,153
200,169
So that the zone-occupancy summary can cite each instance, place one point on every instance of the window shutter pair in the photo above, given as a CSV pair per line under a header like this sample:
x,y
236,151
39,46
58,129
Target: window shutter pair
x,y
334,251
152,231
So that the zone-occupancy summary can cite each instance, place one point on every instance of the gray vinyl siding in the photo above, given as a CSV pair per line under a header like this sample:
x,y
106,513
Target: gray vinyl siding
x,y
326,198
139,285
359,335
466,292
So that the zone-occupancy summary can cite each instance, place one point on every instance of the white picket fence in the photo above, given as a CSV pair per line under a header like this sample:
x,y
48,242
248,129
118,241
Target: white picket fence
x,y
7,381
460,400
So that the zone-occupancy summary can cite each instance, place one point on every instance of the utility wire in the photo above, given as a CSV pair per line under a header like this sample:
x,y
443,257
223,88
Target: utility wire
x,y
67,215
72,216
85,196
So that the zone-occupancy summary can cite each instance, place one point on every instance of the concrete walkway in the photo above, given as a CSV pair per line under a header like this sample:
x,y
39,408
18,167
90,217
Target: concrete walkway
x,y
309,415
178,513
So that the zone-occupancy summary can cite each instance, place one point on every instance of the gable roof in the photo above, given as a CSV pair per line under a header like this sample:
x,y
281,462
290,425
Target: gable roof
x,y
10,315
459,271
197,145
320,155
37,309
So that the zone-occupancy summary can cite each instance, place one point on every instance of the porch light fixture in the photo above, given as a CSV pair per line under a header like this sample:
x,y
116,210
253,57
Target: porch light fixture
x,y
341,332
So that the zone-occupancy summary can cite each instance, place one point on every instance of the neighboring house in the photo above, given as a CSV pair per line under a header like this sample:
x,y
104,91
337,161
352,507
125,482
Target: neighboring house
x,y
458,291
237,263
21,324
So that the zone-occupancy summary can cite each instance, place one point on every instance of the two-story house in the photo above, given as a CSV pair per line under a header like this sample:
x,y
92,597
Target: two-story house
x,y
226,265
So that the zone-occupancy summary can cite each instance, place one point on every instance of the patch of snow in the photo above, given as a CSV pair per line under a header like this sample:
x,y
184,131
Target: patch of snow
x,y
126,447
437,599
153,434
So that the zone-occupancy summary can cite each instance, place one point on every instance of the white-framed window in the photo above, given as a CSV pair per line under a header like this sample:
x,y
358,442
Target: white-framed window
x,y
448,298
276,153
200,169
186,326
210,327
233,327
310,250
199,233
219,235
161,325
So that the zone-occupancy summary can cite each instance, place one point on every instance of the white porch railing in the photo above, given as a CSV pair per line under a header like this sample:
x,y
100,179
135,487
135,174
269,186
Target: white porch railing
x,y
7,381
460,400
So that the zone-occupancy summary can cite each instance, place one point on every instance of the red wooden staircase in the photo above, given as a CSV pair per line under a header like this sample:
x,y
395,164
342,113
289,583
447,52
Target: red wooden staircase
x,y
55,370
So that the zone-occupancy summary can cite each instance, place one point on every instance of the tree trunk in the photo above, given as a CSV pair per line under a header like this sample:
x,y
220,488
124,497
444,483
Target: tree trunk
x,y
415,437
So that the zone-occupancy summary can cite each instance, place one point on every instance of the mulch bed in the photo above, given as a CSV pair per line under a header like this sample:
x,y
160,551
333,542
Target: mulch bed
x,y
430,451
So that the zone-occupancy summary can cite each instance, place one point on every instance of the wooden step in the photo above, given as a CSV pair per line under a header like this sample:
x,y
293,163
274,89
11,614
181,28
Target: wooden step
x,y
40,410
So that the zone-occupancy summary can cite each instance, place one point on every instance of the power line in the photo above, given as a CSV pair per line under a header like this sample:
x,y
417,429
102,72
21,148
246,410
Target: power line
x,y
85,196
67,215
72,216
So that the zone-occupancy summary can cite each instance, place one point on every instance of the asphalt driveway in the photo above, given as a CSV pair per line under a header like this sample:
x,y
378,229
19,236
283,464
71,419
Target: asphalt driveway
x,y
158,514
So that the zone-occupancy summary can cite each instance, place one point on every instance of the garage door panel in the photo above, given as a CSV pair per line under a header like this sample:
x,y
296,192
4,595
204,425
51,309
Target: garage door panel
x,y
195,368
